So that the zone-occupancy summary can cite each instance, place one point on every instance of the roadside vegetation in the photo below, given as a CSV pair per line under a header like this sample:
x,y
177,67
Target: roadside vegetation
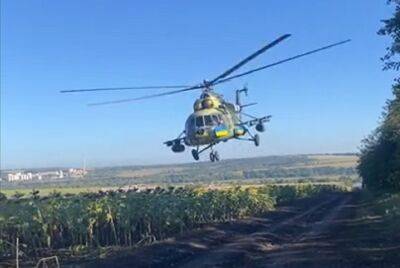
x,y
374,231
76,224
379,164
378,214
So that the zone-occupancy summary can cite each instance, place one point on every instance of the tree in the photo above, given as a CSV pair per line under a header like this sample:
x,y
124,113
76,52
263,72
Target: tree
x,y
392,28
379,164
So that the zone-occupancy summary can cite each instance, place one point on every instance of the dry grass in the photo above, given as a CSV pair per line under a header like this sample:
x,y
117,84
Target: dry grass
x,y
333,161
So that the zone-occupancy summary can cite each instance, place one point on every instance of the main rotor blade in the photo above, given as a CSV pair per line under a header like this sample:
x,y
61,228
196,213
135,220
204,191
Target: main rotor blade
x,y
147,96
119,88
249,58
282,61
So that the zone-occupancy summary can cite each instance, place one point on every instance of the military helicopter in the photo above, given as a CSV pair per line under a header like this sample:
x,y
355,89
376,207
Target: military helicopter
x,y
214,119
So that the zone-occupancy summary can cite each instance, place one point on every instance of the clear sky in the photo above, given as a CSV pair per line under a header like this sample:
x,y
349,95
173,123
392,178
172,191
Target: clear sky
x,y
324,103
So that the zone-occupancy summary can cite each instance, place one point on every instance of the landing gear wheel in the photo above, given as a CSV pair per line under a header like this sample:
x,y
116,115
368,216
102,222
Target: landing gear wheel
x,y
256,140
212,157
216,156
195,154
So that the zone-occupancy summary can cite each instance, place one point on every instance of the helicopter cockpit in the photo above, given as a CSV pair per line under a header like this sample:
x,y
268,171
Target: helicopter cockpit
x,y
201,127
202,121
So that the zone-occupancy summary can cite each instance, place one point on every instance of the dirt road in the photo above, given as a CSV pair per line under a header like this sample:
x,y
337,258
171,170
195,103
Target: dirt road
x,y
319,232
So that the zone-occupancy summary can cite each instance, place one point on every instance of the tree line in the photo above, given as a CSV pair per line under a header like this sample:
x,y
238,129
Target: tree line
x,y
379,163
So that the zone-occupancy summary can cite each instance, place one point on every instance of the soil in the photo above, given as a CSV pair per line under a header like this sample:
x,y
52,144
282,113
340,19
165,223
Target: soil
x,y
325,231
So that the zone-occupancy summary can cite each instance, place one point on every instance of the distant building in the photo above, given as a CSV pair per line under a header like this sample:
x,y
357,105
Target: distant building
x,y
76,172
19,176
58,174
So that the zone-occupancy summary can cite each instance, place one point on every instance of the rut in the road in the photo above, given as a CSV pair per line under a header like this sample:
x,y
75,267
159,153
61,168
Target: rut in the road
x,y
301,249
254,249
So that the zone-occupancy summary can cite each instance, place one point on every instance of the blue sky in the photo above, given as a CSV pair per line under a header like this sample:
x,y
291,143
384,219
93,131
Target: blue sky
x,y
327,102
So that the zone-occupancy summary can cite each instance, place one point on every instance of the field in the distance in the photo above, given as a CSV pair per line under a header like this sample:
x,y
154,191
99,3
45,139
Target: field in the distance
x,y
251,171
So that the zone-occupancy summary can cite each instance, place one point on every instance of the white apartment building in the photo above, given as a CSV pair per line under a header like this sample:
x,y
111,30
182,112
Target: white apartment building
x,y
19,176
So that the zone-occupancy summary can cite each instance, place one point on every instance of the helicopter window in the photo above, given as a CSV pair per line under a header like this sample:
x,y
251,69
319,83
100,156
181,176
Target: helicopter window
x,y
208,120
220,119
199,121
191,122
215,119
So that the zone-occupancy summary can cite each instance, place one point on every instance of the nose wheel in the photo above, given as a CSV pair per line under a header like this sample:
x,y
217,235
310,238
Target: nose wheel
x,y
214,156
256,140
195,154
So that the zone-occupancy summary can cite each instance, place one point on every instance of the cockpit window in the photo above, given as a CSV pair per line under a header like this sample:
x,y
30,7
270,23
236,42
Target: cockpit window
x,y
215,119
208,120
199,121
191,122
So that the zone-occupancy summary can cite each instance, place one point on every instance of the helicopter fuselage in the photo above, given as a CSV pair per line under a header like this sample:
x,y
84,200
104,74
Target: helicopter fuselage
x,y
208,126
215,120
212,121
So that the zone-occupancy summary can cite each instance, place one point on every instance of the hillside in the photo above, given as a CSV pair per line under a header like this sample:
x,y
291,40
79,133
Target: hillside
x,y
316,168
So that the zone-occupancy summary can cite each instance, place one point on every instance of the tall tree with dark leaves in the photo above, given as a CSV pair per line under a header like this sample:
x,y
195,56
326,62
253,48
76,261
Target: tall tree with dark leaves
x,y
379,164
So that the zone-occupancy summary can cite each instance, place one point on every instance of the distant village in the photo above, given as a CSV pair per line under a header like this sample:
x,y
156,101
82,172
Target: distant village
x,y
45,175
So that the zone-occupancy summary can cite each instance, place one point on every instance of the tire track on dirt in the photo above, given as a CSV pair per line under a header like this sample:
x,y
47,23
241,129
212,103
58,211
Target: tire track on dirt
x,y
246,250
252,242
303,250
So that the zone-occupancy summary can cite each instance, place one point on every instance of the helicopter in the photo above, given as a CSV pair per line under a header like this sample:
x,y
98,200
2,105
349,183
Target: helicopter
x,y
214,120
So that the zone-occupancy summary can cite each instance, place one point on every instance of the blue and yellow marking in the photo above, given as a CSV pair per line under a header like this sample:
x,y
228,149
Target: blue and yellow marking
x,y
221,131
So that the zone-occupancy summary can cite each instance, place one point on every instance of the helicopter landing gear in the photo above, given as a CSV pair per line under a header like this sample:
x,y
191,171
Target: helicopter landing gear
x,y
256,140
195,154
214,156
